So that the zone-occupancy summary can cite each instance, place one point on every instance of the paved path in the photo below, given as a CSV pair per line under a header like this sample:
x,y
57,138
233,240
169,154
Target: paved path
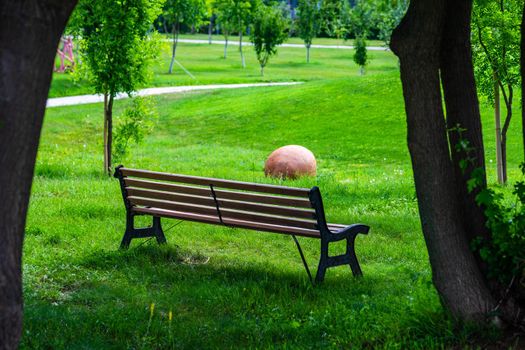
x,y
85,99
236,43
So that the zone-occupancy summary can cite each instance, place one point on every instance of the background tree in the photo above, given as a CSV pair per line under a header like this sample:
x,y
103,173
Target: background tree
x,y
241,15
331,14
116,50
360,54
386,16
269,30
433,45
189,12
496,42
308,23
224,9
211,16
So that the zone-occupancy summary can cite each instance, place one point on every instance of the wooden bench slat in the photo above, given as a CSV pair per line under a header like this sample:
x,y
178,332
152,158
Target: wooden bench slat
x,y
201,191
230,222
223,203
206,181
225,213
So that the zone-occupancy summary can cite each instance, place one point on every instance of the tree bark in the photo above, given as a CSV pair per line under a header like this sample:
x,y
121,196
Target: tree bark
x,y
26,72
225,46
417,43
210,29
462,109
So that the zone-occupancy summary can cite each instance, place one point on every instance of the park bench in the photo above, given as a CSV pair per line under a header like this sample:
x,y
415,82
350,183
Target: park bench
x,y
254,206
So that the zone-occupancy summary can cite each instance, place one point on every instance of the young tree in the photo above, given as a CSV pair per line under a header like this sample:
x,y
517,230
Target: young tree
x,y
189,12
496,43
241,15
212,16
116,50
225,18
308,23
269,30
360,55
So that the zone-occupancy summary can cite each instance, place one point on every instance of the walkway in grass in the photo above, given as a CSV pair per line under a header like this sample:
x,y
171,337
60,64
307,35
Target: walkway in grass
x,y
314,46
86,99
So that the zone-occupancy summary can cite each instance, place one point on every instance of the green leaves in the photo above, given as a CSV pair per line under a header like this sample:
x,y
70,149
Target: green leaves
x,y
308,20
115,45
270,29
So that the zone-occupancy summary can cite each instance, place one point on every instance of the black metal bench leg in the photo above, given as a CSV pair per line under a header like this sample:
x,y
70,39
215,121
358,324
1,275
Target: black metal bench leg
x,y
323,262
350,252
157,229
131,232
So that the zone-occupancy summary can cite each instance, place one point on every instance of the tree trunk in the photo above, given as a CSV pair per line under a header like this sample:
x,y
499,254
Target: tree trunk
x,y
262,71
497,121
175,32
210,29
240,50
462,109
225,46
24,83
108,132
308,53
416,41
509,100
522,71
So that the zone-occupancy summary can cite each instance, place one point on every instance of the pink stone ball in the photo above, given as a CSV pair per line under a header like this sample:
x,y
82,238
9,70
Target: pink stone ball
x,y
290,162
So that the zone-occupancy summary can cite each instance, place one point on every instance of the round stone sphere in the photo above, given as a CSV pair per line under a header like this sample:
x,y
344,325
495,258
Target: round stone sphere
x,y
290,162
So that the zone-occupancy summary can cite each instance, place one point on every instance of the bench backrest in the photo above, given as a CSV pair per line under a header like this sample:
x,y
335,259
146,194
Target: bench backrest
x,y
232,203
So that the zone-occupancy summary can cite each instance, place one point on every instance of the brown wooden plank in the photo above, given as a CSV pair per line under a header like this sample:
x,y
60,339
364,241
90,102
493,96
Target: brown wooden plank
x,y
223,203
229,222
206,181
203,191
225,213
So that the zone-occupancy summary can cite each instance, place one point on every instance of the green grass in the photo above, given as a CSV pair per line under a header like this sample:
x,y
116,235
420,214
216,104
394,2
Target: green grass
x,y
236,288
207,64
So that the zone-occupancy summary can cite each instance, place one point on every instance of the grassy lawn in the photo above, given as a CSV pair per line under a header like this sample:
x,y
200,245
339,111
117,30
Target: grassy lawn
x,y
235,288
207,64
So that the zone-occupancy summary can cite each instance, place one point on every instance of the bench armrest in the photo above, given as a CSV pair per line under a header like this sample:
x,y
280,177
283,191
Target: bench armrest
x,y
353,230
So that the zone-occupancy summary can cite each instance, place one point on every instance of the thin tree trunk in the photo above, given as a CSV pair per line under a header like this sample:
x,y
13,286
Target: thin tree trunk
x,y
109,134
308,53
262,71
225,46
522,71
240,50
462,108
175,32
497,121
210,29
508,104
106,157
24,83
416,41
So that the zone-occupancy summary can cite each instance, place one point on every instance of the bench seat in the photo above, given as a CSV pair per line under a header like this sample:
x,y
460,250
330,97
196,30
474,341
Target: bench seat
x,y
245,205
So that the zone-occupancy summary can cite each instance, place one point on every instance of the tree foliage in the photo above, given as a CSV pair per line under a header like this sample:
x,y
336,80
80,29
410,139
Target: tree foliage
x,y
360,55
308,22
269,30
496,51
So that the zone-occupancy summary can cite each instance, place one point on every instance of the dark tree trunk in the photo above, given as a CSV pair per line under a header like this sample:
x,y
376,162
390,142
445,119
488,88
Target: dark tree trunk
x,y
417,43
522,70
462,109
243,63
108,132
308,53
26,72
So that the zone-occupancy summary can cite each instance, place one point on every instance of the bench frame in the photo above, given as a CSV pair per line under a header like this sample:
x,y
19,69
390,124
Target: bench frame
x,y
348,233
